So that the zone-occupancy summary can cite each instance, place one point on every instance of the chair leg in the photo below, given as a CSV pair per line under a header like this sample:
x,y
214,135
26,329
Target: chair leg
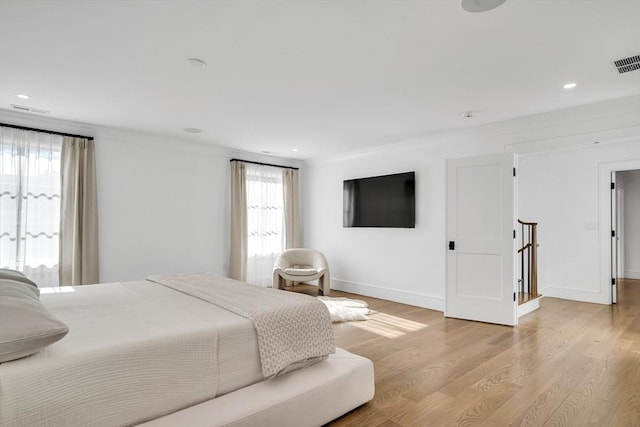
x,y
323,285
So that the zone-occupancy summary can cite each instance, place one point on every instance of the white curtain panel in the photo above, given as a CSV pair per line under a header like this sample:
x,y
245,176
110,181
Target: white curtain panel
x,y
291,208
265,221
30,203
79,207
238,244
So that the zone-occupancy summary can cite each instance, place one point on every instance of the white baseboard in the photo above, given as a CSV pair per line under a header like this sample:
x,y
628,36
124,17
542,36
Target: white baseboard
x,y
575,295
628,274
395,295
528,307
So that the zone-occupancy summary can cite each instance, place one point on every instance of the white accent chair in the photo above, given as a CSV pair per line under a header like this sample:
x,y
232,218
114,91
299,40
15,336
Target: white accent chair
x,y
301,265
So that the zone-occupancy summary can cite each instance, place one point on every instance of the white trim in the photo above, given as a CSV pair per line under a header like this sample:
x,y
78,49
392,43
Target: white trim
x,y
604,224
395,295
528,307
628,274
597,297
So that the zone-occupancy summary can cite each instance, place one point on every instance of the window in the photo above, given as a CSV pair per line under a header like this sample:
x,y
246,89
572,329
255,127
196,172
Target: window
x,y
30,203
265,221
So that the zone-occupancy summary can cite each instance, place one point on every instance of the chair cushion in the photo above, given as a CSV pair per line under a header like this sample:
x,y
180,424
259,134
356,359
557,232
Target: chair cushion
x,y
301,271
25,324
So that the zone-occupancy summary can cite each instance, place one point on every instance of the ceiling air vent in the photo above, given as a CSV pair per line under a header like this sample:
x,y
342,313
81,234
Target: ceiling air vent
x,y
625,65
29,109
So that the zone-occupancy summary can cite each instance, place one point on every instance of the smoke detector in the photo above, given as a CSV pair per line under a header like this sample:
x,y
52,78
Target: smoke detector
x,y
29,109
192,130
476,6
196,63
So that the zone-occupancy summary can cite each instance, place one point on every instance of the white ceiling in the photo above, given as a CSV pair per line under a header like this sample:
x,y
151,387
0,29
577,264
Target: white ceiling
x,y
324,77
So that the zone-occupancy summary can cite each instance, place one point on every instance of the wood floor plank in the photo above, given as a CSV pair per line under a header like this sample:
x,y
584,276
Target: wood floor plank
x,y
628,411
566,364
545,404
581,400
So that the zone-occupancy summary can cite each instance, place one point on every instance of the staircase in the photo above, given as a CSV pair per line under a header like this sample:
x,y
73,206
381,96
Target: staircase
x,y
528,297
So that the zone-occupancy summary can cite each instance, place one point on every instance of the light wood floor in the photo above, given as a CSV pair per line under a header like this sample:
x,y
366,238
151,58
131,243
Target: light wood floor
x,y
567,364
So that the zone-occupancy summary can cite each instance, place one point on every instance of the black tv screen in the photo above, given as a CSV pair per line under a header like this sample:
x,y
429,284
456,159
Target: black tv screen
x,y
380,201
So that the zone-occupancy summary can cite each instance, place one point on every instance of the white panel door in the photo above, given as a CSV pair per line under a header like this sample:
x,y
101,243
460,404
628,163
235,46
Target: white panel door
x,y
480,226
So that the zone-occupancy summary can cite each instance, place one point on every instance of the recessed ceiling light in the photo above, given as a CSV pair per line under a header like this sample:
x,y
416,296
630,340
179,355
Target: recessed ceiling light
x,y
570,85
192,130
22,96
196,63
294,149
480,5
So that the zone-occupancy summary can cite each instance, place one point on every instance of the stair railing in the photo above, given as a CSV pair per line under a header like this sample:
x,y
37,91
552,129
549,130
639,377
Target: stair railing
x,y
528,258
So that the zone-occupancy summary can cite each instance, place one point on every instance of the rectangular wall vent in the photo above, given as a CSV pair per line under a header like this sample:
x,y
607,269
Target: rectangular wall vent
x,y
628,64
29,109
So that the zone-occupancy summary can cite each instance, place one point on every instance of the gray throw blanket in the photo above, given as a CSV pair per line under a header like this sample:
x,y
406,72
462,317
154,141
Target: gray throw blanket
x,y
293,329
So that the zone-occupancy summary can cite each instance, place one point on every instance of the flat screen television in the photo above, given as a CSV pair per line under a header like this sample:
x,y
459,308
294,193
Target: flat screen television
x,y
380,201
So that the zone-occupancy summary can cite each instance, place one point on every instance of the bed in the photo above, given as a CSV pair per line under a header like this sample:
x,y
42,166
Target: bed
x,y
159,352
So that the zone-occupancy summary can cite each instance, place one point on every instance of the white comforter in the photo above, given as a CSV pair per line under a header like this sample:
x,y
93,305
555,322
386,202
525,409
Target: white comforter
x,y
135,351
294,330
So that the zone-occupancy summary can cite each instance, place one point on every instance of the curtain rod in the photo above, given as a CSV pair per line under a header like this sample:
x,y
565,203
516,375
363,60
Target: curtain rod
x,y
90,138
264,164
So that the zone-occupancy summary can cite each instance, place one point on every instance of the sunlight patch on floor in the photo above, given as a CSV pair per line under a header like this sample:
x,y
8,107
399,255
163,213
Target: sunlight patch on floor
x,y
388,326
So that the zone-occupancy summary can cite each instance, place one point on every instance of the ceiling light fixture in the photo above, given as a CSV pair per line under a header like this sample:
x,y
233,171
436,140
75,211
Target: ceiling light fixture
x,y
570,85
294,149
192,130
22,96
476,6
196,63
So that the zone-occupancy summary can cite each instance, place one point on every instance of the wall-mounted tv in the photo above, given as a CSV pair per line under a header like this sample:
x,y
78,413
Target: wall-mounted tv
x,y
380,201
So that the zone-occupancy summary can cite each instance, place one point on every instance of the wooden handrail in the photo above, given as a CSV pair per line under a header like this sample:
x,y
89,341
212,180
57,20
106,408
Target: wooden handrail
x,y
524,247
527,223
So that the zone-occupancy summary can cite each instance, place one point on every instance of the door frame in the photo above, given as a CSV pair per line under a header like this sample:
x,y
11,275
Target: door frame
x,y
605,169
614,236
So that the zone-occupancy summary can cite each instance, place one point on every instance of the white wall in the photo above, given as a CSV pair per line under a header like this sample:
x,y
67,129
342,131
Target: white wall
x,y
631,233
163,205
559,190
408,265
404,265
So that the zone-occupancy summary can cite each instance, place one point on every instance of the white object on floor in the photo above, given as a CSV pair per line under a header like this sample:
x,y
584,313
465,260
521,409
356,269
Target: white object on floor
x,y
345,309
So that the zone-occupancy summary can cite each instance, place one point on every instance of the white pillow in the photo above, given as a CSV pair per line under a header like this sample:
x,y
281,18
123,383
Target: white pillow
x,y
5,273
25,324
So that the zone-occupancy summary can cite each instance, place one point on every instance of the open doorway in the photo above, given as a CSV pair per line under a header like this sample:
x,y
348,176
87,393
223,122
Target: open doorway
x,y
625,219
628,204
607,219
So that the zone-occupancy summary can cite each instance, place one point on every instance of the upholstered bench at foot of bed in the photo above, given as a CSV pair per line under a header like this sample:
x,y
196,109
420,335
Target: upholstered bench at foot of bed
x,y
308,397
